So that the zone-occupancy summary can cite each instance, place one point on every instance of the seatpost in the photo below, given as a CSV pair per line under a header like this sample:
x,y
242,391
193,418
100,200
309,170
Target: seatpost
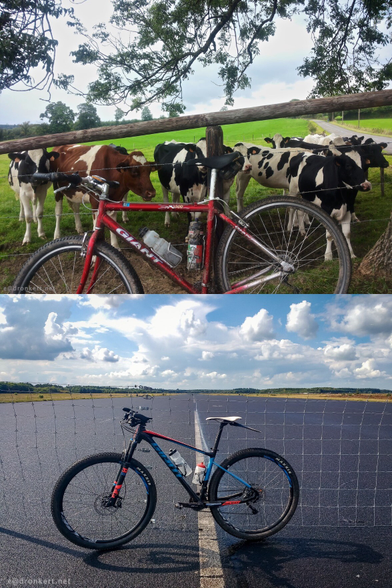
x,y
217,439
214,175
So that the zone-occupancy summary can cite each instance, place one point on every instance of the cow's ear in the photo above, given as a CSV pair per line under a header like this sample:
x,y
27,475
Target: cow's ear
x,y
153,166
123,166
383,145
286,139
53,155
268,139
367,161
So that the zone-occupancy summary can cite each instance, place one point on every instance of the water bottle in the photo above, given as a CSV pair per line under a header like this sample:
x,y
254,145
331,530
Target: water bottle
x,y
161,247
194,260
180,462
200,472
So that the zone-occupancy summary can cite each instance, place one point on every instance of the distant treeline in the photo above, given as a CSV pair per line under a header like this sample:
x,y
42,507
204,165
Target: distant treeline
x,y
26,387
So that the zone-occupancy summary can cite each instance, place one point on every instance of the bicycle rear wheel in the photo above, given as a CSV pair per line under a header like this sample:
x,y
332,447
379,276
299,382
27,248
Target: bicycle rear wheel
x,y
296,232
270,485
57,267
78,502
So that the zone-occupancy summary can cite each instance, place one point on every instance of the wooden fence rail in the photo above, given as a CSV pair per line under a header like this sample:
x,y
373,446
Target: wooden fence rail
x,y
257,113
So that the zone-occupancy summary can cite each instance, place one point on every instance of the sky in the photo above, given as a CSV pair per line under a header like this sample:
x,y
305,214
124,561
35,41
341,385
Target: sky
x,y
274,75
192,342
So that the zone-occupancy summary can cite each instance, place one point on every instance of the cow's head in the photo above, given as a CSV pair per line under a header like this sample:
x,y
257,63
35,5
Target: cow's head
x,y
136,174
31,162
277,141
351,174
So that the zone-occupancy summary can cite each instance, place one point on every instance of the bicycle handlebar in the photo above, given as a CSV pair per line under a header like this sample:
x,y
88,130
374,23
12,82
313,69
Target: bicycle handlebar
x,y
75,179
134,418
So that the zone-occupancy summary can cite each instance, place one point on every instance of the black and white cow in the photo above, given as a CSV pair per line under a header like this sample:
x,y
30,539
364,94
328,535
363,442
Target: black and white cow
x,y
332,183
188,182
325,140
280,142
32,194
274,169
366,155
269,167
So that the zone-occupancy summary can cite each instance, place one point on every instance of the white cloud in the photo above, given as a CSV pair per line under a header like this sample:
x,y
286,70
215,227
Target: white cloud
x,y
206,356
99,354
367,370
258,327
344,352
363,316
300,320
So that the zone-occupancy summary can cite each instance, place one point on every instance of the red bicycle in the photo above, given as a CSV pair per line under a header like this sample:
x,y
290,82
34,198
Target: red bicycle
x,y
261,250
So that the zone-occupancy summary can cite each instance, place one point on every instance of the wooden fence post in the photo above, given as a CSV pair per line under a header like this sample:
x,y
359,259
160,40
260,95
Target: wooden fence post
x,y
214,141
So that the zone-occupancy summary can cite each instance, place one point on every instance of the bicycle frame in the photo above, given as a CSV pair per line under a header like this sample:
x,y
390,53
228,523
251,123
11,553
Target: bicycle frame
x,y
198,500
104,220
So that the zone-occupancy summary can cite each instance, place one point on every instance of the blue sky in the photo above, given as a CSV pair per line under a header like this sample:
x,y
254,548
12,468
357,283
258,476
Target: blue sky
x,y
213,342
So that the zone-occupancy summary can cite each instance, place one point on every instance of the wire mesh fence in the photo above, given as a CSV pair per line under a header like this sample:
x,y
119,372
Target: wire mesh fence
x,y
340,449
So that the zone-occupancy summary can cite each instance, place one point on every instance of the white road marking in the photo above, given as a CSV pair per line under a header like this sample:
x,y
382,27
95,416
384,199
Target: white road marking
x,y
211,572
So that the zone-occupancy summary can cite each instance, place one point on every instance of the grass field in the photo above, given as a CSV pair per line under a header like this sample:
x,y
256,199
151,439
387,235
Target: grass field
x,y
372,209
380,126
26,397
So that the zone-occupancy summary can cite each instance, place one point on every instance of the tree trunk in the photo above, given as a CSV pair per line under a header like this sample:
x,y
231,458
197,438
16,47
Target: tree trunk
x,y
379,259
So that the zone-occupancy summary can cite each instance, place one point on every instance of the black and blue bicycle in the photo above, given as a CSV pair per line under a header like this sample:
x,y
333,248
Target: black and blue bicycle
x,y
106,500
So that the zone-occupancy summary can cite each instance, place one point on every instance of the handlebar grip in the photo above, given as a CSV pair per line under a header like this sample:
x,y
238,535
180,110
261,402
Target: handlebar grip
x,y
73,179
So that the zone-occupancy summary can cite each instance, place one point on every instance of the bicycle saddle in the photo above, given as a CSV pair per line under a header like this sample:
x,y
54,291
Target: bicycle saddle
x,y
231,419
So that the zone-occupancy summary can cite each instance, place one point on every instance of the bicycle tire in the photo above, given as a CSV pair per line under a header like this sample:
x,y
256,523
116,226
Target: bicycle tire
x,y
77,508
56,268
239,260
277,494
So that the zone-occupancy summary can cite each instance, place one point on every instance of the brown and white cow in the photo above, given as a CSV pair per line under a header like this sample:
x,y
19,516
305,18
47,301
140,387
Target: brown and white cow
x,y
131,171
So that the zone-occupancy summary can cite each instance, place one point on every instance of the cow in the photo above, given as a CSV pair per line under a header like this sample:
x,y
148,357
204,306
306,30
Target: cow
x,y
188,182
365,155
332,183
325,140
131,171
273,168
30,192
280,142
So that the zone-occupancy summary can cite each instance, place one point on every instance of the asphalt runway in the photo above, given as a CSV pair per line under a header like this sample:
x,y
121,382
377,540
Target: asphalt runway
x,y
339,536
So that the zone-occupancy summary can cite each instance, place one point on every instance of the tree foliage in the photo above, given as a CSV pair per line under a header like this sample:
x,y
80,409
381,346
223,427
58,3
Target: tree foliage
x,y
346,37
88,117
168,38
26,41
60,116
159,42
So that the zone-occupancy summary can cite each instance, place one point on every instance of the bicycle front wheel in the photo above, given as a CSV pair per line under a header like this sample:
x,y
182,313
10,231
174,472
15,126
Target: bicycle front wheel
x,y
56,268
265,485
295,232
79,502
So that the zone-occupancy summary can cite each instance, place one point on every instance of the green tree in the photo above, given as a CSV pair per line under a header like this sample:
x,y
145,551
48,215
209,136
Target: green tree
x,y
60,117
146,113
26,41
88,117
346,36
118,115
171,37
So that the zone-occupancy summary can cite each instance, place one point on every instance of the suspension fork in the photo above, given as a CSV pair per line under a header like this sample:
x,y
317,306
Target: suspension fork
x,y
125,459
